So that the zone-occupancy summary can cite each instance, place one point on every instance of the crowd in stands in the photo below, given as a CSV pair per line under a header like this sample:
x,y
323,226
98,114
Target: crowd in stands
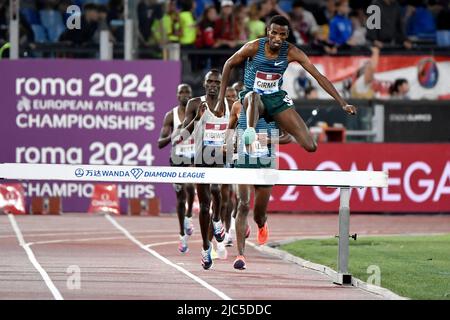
x,y
328,24
325,25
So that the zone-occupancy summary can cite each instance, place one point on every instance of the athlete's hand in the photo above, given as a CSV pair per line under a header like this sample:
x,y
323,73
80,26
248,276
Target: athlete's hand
x,y
350,109
177,139
219,108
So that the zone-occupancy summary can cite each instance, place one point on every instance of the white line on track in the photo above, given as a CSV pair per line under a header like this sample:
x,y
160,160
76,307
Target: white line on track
x,y
165,260
74,240
156,244
87,233
56,294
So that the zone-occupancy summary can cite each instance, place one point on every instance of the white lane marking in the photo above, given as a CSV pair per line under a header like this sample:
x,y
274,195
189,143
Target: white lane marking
x,y
56,294
165,260
73,240
156,244
93,232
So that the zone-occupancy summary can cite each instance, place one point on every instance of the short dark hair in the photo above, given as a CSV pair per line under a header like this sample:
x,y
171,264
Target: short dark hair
x,y
279,20
213,71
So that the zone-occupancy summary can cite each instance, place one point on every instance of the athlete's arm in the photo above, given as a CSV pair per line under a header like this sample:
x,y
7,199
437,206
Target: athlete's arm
x,y
369,72
232,123
234,115
166,130
299,56
190,116
248,50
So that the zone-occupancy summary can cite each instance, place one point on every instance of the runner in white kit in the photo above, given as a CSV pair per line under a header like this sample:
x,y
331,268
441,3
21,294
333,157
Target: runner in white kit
x,y
181,155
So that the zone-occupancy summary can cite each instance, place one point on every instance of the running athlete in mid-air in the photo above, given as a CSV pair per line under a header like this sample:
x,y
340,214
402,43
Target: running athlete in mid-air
x,y
208,127
266,61
181,155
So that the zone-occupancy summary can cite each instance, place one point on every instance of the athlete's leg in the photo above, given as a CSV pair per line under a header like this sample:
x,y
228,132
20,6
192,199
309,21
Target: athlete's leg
x,y
225,213
254,108
262,197
217,226
190,192
204,199
181,205
216,201
234,200
292,123
244,192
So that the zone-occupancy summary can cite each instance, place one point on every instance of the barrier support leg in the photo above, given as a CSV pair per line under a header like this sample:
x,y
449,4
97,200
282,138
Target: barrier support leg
x,y
343,277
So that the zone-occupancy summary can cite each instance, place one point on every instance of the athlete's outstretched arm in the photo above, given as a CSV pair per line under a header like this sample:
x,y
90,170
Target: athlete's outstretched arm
x,y
248,50
166,130
299,56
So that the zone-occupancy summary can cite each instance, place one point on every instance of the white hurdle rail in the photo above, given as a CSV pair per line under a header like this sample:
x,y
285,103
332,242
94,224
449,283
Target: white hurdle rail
x,y
161,174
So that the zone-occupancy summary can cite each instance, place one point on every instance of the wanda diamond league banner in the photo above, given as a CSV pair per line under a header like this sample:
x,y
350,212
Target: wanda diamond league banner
x,y
419,177
87,112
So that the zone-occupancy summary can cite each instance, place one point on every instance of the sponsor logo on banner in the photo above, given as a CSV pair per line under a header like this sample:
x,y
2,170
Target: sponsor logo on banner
x,y
427,73
105,199
137,172
79,173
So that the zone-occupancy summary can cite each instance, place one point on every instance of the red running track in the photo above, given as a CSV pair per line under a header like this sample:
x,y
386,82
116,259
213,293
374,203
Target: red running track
x,y
114,266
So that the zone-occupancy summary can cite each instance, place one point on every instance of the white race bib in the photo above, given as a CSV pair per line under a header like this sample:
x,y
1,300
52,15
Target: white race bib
x,y
266,83
214,134
186,148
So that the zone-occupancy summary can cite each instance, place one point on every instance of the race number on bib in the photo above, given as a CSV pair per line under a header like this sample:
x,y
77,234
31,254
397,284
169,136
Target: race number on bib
x,y
266,83
185,149
214,134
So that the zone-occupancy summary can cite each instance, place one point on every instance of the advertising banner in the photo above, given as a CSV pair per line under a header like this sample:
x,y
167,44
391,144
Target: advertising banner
x,y
87,112
416,121
428,76
419,177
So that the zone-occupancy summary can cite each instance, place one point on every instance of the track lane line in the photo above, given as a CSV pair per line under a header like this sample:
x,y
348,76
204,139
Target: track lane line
x,y
167,261
56,294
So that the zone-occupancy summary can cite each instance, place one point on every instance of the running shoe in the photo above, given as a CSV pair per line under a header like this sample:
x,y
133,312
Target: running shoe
x,y
221,251
213,252
228,239
219,231
207,260
239,263
249,135
263,234
188,226
183,245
